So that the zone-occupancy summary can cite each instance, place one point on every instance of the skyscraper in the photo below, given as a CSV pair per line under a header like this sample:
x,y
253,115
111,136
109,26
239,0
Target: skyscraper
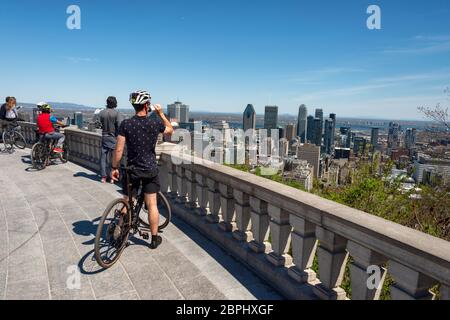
x,y
311,154
410,138
319,115
249,118
310,129
393,136
333,135
179,112
302,127
78,119
270,119
329,136
317,138
291,132
374,138
359,146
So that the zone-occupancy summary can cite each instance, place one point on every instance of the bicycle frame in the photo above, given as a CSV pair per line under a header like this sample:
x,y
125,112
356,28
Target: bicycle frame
x,y
135,203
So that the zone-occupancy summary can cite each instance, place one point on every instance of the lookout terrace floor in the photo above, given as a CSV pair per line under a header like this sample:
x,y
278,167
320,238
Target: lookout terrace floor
x,y
47,228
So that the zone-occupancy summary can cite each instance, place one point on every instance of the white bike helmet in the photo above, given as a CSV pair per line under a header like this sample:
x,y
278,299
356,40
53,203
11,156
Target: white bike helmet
x,y
140,97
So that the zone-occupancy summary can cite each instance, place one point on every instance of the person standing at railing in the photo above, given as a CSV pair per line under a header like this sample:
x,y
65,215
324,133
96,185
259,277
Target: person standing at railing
x,y
140,135
8,111
9,114
110,120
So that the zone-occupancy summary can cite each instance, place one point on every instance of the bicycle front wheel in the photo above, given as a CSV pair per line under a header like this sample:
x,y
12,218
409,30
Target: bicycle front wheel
x,y
112,233
38,156
19,140
165,213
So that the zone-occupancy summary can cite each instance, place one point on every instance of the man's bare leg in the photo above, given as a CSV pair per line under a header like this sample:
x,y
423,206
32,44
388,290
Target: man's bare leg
x,y
151,201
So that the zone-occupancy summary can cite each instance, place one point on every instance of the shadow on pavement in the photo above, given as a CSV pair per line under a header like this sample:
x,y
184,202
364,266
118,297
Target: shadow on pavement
x,y
93,177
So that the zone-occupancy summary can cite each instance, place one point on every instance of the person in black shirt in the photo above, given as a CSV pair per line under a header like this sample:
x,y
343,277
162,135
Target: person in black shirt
x,y
140,135
110,120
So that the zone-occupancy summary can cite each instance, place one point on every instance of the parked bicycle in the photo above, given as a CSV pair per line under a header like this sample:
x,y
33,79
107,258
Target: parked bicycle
x,y
43,152
122,220
12,137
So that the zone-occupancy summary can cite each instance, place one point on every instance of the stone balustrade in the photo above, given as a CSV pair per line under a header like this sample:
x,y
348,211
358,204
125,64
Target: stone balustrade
x,y
280,233
299,243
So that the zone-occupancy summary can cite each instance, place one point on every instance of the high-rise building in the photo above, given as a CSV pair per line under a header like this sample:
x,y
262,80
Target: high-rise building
x,y
333,132
311,154
291,132
319,115
270,119
310,129
302,127
178,112
393,135
359,146
249,118
346,133
329,136
317,138
410,138
374,138
78,119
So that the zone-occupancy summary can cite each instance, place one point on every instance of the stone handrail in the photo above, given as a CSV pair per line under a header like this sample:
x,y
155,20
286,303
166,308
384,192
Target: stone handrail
x,y
241,211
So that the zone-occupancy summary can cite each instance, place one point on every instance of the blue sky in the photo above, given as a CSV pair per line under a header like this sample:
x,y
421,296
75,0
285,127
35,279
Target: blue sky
x,y
220,55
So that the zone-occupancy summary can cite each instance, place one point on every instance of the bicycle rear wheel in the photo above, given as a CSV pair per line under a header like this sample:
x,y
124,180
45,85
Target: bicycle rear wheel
x,y
38,156
19,140
8,140
165,213
112,233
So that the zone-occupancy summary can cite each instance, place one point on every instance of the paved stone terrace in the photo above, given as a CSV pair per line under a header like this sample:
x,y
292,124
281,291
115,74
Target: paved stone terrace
x,y
48,223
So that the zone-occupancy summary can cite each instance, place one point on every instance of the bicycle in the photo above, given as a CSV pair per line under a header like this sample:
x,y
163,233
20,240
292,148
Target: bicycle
x,y
134,216
12,137
43,152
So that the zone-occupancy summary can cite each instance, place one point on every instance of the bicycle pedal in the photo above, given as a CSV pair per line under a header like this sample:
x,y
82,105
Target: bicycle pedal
x,y
145,235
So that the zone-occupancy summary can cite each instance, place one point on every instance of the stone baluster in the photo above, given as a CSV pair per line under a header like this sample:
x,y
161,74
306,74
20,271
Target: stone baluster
x,y
304,246
227,207
181,184
280,231
260,226
164,175
172,179
202,194
366,272
191,189
85,148
332,257
445,292
214,201
409,284
242,206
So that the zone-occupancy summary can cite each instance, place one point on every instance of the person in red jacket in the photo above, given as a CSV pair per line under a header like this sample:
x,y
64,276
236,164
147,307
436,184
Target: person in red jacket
x,y
45,122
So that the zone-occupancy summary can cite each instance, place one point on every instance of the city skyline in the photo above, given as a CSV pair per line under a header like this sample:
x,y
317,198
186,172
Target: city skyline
x,y
322,58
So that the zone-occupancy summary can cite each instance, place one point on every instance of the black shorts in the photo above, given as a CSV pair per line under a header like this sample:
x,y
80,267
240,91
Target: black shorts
x,y
149,182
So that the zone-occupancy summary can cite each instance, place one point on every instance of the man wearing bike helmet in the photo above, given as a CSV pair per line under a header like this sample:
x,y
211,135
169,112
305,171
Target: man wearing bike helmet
x,y
140,135
46,122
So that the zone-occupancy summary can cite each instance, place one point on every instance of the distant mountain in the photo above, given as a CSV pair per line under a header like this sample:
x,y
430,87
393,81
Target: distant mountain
x,y
59,105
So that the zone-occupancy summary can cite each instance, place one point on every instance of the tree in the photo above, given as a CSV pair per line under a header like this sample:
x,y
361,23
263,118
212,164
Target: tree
x,y
439,113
